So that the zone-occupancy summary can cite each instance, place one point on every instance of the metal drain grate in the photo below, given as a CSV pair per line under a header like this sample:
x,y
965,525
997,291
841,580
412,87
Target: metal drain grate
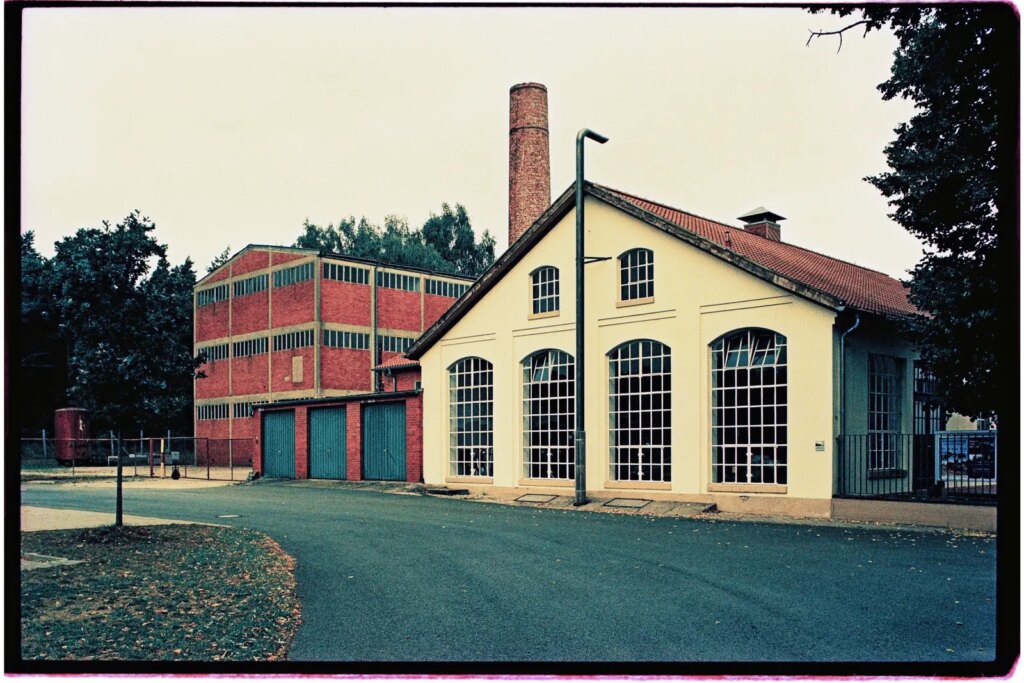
x,y
535,498
633,503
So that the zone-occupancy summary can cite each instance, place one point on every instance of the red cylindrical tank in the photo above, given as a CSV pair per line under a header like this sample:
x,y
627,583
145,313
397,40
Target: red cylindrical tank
x,y
71,430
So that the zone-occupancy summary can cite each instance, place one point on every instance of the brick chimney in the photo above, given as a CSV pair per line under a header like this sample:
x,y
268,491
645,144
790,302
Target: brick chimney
x,y
529,160
764,223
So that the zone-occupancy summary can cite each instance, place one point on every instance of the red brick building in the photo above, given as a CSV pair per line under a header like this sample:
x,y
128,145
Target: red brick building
x,y
289,331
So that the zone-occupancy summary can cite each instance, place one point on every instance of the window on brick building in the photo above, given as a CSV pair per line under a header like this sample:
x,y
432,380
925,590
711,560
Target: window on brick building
x,y
396,344
249,347
343,339
293,340
215,411
243,409
452,290
544,290
251,285
344,273
215,352
205,297
293,275
636,275
408,283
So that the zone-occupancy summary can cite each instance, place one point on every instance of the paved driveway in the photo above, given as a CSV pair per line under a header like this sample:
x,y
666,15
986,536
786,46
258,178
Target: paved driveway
x,y
410,578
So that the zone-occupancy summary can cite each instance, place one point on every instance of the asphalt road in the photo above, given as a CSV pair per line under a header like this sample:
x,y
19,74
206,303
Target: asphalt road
x,y
410,578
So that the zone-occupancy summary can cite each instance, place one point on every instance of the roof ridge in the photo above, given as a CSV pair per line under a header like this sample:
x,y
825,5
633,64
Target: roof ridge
x,y
732,227
673,208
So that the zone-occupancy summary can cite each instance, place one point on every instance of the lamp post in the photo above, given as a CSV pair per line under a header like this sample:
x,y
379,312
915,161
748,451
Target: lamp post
x,y
581,434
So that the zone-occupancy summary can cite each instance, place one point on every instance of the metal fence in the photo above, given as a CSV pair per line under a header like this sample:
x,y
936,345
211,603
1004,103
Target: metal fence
x,y
947,466
194,457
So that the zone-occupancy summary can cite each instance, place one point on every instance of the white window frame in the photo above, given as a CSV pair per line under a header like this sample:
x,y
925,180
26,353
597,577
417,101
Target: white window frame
x,y
749,408
639,420
885,410
471,418
549,415
636,275
544,291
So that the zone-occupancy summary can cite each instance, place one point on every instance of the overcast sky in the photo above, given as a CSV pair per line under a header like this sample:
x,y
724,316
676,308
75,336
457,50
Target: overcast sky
x,y
232,126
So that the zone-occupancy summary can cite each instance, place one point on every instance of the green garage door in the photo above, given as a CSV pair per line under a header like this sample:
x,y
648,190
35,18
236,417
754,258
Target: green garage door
x,y
279,444
327,443
384,441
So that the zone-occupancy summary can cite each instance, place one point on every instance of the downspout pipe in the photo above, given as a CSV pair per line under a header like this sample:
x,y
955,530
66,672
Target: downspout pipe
x,y
581,434
842,373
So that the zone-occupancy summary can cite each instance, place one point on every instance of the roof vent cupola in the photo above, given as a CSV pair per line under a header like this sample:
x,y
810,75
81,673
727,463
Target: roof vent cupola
x,y
763,223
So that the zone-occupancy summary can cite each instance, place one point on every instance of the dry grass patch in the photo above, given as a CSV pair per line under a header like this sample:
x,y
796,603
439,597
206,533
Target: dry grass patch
x,y
178,592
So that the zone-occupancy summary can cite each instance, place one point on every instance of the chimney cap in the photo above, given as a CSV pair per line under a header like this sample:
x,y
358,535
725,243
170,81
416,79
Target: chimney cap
x,y
761,214
530,84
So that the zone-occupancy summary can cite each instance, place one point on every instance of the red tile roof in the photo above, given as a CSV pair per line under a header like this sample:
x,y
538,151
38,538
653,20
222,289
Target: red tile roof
x,y
397,362
858,287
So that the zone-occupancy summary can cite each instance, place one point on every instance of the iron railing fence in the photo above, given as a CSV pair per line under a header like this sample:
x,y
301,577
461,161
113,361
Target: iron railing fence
x,y
941,466
195,457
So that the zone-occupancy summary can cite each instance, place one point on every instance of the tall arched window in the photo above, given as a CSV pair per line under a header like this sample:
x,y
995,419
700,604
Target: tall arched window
x,y
471,418
748,408
640,407
549,415
544,290
636,275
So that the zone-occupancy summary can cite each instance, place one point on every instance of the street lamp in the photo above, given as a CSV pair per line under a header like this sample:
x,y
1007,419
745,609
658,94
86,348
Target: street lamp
x,y
581,434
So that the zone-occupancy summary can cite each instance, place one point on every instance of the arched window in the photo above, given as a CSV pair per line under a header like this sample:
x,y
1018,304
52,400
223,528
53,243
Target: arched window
x,y
471,418
549,415
636,275
544,290
640,408
748,408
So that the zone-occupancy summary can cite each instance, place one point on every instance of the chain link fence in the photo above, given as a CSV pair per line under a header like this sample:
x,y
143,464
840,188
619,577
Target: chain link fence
x,y
47,458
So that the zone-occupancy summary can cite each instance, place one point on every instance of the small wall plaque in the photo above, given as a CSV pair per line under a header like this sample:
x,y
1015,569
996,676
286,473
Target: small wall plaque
x,y
819,445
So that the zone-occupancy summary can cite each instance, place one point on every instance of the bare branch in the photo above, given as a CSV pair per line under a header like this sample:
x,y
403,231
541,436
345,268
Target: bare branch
x,y
839,32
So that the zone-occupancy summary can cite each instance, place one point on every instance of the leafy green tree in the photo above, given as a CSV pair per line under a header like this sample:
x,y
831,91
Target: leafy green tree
x,y
451,236
444,243
219,260
166,387
951,181
40,350
127,336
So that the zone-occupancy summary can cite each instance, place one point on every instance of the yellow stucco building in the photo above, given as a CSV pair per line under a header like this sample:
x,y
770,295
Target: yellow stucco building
x,y
720,362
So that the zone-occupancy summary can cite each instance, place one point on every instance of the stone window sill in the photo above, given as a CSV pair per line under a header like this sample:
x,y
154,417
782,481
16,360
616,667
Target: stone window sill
x,y
469,480
634,302
640,485
747,488
561,483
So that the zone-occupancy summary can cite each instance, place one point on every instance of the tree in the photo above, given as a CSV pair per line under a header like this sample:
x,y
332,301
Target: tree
x,y
41,353
444,243
165,390
950,181
128,337
219,260
451,235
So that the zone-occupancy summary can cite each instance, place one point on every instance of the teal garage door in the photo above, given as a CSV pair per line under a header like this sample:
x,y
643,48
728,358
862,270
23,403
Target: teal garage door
x,y
384,441
327,443
279,444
